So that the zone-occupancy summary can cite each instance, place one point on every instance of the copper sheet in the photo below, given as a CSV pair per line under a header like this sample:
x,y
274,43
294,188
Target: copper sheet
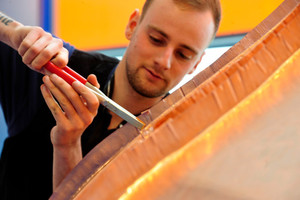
x,y
226,131
252,152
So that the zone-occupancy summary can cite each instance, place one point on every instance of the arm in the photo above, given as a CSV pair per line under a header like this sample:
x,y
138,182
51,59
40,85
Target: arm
x,y
34,44
78,107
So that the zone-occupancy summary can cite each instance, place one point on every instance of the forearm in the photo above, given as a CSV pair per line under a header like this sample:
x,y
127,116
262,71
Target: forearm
x,y
64,160
8,28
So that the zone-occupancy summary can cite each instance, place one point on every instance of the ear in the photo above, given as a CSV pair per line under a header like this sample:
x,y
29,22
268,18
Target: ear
x,y
132,24
196,65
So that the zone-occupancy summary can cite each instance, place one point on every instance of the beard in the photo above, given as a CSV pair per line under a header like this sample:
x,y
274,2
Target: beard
x,y
140,85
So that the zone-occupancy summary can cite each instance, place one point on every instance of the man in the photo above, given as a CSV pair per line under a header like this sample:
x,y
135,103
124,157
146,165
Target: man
x,y
167,41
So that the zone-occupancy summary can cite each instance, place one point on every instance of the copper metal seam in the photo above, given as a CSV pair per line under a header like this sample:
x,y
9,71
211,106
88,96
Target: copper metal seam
x,y
99,169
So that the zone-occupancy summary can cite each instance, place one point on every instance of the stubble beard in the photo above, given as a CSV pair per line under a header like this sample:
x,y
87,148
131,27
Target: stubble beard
x,y
138,85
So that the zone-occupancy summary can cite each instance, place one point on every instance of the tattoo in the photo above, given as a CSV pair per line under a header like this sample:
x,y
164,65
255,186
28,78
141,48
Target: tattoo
x,y
5,20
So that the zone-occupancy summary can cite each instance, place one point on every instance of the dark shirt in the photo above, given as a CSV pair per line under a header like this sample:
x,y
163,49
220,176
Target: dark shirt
x,y
26,160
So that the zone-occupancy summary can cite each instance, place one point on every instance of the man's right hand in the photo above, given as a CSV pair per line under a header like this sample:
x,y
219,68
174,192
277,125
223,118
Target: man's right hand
x,y
35,45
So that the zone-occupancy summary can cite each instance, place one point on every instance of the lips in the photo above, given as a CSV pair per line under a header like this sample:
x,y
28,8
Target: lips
x,y
154,74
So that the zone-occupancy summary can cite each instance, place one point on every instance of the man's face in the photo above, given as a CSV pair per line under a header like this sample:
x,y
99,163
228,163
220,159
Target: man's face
x,y
164,46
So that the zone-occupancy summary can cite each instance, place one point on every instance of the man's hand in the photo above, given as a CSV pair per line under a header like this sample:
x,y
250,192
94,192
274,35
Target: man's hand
x,y
74,110
37,47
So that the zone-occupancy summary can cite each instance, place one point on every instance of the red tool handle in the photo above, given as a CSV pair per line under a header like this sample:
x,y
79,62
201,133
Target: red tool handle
x,y
65,73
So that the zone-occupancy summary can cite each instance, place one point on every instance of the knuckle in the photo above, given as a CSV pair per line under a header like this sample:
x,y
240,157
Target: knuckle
x,y
25,44
35,65
47,52
95,112
48,35
59,61
95,104
73,95
59,42
25,60
88,120
79,126
37,30
34,50
63,103
68,129
74,126
61,58
38,63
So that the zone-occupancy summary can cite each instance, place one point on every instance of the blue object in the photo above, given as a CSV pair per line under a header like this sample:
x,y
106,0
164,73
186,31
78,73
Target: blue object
x,y
3,130
46,15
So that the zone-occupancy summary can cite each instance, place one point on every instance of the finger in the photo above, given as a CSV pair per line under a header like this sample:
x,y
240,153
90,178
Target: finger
x,y
29,40
65,131
54,85
38,48
92,102
52,105
61,59
51,51
93,80
69,98
71,102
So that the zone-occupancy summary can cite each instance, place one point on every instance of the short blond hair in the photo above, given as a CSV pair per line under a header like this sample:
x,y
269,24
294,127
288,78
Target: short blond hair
x,y
202,5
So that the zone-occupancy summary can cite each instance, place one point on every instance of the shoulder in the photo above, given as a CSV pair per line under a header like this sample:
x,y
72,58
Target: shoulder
x,y
91,57
91,61
86,63
85,57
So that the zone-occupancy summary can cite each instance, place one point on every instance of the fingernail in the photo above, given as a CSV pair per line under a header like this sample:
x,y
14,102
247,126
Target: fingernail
x,y
76,83
45,78
43,87
54,76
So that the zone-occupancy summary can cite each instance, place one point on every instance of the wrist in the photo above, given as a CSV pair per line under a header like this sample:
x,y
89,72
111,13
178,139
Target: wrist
x,y
8,28
66,145
68,150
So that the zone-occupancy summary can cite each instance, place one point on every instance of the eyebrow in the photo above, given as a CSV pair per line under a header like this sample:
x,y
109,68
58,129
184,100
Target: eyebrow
x,y
166,36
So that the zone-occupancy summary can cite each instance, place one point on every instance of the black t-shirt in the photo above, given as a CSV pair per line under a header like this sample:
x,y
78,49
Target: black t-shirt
x,y
26,160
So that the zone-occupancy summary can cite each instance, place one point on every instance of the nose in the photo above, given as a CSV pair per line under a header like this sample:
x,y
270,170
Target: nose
x,y
164,58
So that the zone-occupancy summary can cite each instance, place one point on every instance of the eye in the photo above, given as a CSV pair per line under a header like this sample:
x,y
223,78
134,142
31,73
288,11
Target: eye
x,y
184,55
156,40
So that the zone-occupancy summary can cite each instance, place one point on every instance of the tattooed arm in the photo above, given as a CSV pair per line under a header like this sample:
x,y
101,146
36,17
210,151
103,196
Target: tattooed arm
x,y
7,26
73,107
35,45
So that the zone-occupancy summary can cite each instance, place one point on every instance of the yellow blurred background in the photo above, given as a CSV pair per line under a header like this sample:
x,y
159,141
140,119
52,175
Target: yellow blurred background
x,y
100,24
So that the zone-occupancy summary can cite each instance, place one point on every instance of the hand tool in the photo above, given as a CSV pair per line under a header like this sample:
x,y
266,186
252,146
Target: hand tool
x,y
70,76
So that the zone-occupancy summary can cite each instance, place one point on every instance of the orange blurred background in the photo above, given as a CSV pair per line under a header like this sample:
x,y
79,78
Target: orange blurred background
x,y
100,24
